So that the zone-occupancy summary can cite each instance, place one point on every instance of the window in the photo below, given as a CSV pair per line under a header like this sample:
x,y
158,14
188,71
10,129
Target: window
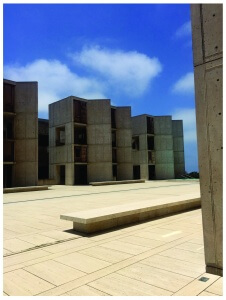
x,y
135,143
151,144
60,136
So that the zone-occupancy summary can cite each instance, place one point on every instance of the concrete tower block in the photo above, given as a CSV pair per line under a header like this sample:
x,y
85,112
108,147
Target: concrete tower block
x,y
207,51
139,125
178,148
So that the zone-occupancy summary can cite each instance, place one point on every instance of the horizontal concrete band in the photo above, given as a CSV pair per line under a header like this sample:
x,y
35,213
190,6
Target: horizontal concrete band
x,y
99,219
117,182
25,189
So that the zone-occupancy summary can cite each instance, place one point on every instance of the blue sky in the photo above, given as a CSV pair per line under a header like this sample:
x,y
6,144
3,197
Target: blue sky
x,y
134,54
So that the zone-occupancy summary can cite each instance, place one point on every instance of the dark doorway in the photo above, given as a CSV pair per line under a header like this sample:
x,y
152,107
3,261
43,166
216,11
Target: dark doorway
x,y
80,174
151,171
136,172
114,171
7,176
62,174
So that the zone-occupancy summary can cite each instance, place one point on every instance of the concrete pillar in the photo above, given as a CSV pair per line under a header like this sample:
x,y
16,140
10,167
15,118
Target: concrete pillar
x,y
178,148
26,134
164,156
99,152
208,55
123,143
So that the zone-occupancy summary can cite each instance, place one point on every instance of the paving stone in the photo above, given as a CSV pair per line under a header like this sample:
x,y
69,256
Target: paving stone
x,y
193,257
54,272
118,285
125,247
16,245
82,262
191,247
37,239
22,283
163,279
86,290
136,240
216,287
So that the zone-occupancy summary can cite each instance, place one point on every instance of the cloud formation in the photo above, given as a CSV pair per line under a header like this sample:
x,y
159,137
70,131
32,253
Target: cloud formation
x,y
55,81
185,84
130,72
184,30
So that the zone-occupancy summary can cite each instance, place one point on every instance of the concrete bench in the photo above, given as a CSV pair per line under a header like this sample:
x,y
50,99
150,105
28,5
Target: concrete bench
x,y
108,217
25,189
117,182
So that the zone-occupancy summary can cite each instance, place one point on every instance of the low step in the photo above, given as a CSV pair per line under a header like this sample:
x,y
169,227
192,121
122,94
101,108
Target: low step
x,y
117,182
25,189
94,220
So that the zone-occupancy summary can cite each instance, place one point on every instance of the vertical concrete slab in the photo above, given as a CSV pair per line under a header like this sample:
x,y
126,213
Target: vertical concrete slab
x,y
123,142
207,52
99,136
178,148
26,134
164,154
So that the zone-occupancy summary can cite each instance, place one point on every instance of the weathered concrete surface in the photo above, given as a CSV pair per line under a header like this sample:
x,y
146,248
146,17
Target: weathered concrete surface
x,y
26,134
207,51
117,182
25,189
164,154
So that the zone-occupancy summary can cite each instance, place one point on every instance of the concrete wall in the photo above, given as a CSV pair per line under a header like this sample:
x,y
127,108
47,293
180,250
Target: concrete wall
x,y
123,142
178,148
208,55
61,114
99,153
26,134
164,154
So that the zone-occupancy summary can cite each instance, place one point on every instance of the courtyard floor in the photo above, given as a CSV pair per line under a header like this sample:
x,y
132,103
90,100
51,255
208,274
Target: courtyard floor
x,y
162,257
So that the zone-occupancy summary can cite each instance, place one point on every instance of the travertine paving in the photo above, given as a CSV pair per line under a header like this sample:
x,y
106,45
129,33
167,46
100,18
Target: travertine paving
x,y
43,256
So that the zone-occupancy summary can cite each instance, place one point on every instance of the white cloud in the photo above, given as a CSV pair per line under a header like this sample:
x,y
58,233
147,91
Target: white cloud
x,y
55,81
184,30
130,72
185,84
189,123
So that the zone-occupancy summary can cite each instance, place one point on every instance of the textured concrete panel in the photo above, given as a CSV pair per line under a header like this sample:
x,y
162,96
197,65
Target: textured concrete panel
x,y
163,125
164,171
123,118
31,125
178,157
177,128
26,97
61,112
20,126
52,137
99,153
69,133
124,138
178,144
69,174
163,142
207,25
144,171
98,112
124,155
139,124
179,170
164,157
99,134
99,172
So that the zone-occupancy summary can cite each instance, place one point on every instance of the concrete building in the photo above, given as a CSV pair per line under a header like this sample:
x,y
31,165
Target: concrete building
x,y
20,133
89,141
207,28
158,147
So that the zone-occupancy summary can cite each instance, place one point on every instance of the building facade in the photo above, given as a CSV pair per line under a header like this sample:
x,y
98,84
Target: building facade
x,y
89,140
20,133
158,147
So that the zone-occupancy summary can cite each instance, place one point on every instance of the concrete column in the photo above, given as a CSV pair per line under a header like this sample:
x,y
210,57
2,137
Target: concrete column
x,y
178,148
26,134
208,55
99,152
123,143
164,156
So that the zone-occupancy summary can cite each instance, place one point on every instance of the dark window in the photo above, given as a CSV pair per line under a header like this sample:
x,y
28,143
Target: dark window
x,y
114,156
150,125
7,176
136,172
151,143
80,135
80,174
80,154
43,140
8,128
8,97
135,143
80,112
114,171
113,136
113,122
8,151
151,171
151,157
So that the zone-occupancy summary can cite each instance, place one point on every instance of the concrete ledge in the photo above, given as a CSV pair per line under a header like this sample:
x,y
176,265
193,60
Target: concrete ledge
x,y
25,189
117,182
104,218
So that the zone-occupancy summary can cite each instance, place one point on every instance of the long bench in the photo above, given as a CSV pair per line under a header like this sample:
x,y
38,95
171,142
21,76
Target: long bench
x,y
25,189
108,217
117,182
